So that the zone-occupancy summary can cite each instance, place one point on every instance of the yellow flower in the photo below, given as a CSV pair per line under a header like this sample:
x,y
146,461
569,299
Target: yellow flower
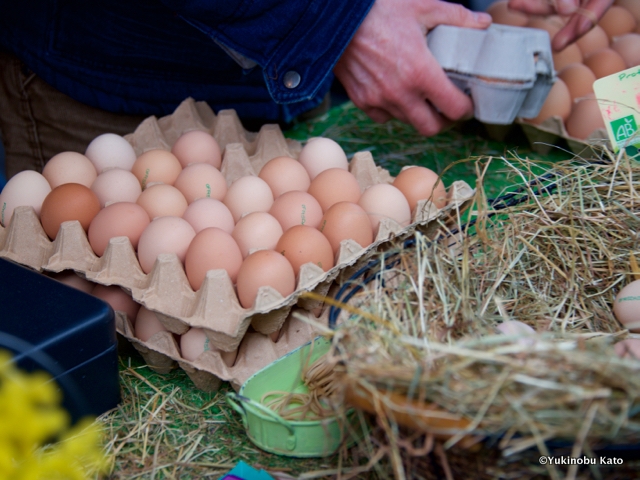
x,y
30,416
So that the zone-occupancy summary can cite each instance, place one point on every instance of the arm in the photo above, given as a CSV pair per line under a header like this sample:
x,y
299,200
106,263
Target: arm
x,y
388,71
584,15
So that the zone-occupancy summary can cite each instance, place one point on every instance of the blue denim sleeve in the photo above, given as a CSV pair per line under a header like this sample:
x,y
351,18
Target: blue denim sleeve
x,y
296,42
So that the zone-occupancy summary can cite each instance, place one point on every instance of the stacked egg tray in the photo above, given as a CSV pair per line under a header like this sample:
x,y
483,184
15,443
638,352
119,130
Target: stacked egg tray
x,y
215,308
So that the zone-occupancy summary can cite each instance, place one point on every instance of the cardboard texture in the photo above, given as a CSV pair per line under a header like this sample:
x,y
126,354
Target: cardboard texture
x,y
214,307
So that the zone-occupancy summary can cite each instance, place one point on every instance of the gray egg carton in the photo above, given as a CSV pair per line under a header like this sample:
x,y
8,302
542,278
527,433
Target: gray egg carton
x,y
508,71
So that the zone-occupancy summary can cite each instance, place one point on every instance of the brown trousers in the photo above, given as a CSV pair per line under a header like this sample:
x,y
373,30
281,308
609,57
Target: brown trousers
x,y
38,122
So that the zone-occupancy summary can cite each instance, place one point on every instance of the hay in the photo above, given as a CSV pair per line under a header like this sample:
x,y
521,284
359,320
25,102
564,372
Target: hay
x,y
553,260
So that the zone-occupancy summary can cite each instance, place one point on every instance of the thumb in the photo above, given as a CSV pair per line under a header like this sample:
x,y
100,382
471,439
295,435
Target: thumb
x,y
458,16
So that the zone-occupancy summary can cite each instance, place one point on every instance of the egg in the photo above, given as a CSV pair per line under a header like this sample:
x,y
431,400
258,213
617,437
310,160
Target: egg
x,y
147,324
201,180
302,244
296,208
162,200
211,249
116,185
570,54
579,80
284,174
69,167
502,14
585,118
335,185
385,201
264,268
197,146
72,279
420,183
629,348
256,231
605,62
628,46
617,21
557,104
209,212
194,342
122,219
164,235
156,166
346,221
542,23
110,151
27,188
69,201
320,154
626,307
248,194
632,6
119,300
593,40
518,329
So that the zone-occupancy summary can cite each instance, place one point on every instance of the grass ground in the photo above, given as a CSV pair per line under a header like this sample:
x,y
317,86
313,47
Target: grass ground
x,y
165,428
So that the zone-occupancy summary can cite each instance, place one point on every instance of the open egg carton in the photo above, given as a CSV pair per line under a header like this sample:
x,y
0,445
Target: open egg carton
x,y
214,307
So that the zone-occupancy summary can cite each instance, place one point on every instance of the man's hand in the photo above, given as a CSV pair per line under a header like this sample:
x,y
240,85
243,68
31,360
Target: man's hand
x,y
584,15
388,71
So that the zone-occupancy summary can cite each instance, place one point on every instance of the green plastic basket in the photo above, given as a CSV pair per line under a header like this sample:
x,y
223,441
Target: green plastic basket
x,y
294,438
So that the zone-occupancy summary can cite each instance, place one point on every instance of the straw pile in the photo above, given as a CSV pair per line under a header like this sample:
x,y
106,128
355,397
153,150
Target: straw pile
x,y
419,346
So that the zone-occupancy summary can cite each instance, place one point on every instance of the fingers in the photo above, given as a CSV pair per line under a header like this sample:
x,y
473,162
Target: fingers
x,y
580,23
545,7
457,15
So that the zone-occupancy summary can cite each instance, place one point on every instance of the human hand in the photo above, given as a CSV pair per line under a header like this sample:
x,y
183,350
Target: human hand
x,y
584,15
388,71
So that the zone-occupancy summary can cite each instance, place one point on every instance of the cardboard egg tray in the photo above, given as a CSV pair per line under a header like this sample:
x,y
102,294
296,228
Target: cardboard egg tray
x,y
214,307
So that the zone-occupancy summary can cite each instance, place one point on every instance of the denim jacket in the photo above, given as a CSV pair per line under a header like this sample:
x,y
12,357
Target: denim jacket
x,y
268,59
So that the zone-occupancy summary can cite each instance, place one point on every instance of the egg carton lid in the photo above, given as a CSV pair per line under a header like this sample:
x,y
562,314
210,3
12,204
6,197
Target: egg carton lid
x,y
500,52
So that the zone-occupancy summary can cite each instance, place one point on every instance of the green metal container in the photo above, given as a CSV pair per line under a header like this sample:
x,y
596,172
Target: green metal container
x,y
294,438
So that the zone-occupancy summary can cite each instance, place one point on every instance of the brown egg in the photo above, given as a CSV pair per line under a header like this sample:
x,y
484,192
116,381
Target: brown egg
x,y
264,268
164,235
543,24
248,194
209,212
585,118
321,154
161,200
605,62
419,183
69,167
557,104
72,279
385,201
626,307
303,244
335,185
122,219
593,40
69,201
628,46
147,324
119,300
197,146
201,180
567,56
344,221
617,21
257,231
195,342
579,80
632,6
296,208
156,166
284,174
502,14
211,249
